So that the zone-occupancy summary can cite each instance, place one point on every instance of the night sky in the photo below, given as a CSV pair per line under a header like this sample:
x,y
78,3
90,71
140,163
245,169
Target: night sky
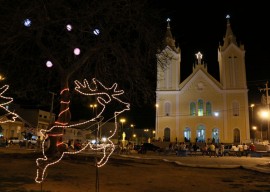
x,y
201,26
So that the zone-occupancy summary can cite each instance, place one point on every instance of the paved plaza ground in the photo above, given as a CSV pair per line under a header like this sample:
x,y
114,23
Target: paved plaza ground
x,y
132,173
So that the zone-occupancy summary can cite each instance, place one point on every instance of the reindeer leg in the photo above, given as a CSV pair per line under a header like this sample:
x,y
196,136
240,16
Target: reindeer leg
x,y
106,156
42,165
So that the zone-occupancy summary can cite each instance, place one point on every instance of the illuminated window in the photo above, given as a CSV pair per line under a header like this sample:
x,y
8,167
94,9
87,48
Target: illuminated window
x,y
200,107
215,135
208,109
192,109
201,134
187,134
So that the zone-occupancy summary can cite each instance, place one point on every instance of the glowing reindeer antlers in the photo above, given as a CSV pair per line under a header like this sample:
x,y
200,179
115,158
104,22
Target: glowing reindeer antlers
x,y
98,86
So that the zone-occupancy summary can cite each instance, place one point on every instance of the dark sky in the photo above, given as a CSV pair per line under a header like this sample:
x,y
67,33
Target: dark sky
x,y
201,25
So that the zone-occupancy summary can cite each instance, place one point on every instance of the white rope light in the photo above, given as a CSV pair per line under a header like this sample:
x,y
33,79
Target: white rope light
x,y
105,95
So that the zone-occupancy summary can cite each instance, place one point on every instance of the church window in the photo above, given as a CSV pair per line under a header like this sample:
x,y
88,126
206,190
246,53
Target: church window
x,y
167,109
200,134
235,108
200,107
215,135
236,136
208,109
167,133
192,109
187,134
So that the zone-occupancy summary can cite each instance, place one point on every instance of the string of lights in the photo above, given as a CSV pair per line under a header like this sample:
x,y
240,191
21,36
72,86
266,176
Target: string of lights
x,y
104,96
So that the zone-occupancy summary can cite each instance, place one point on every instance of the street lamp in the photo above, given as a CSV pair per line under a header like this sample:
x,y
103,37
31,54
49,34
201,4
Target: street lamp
x,y
93,106
254,128
146,134
252,106
122,120
2,77
157,119
264,115
133,127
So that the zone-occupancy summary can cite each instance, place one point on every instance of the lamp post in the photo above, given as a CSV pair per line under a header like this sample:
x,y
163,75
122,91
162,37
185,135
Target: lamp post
x,y
133,127
94,106
146,134
252,115
122,120
156,131
254,128
264,115
252,106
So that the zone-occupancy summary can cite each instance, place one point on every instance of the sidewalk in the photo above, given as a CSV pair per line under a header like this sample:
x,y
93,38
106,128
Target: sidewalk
x,y
260,164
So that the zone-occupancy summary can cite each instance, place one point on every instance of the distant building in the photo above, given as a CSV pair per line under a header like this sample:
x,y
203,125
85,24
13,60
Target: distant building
x,y
201,108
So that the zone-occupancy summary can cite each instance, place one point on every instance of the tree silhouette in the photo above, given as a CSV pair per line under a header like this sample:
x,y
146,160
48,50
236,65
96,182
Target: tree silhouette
x,y
117,40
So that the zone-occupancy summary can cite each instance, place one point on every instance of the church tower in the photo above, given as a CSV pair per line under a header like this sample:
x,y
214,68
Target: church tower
x,y
200,108
231,58
168,69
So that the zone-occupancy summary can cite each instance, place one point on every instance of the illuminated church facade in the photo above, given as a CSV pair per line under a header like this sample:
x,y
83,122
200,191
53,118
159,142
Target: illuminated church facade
x,y
201,108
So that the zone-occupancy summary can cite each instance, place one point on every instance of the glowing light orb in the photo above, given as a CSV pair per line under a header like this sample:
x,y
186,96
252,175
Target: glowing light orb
x,y
49,64
96,31
77,51
69,27
27,22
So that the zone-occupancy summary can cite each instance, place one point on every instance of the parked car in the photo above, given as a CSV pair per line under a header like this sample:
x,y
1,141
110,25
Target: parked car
x,y
137,147
15,140
148,147
32,141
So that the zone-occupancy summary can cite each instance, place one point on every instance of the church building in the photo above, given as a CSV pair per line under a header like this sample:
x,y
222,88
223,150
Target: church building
x,y
201,108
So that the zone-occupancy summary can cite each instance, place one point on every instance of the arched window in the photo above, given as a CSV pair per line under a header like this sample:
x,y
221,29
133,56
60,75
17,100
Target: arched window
x,y
200,134
235,108
236,136
187,134
167,109
192,107
167,133
200,107
215,135
208,109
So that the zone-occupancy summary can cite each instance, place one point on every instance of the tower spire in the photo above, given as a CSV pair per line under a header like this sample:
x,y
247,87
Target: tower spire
x,y
169,40
229,36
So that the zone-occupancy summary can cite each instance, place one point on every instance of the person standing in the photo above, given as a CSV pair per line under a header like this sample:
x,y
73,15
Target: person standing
x,y
222,149
212,150
245,147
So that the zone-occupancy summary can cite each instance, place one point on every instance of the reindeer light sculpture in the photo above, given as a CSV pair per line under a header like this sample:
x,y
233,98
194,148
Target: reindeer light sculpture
x,y
104,95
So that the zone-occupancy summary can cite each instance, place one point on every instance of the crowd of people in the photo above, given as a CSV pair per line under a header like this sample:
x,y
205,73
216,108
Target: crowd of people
x,y
211,149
